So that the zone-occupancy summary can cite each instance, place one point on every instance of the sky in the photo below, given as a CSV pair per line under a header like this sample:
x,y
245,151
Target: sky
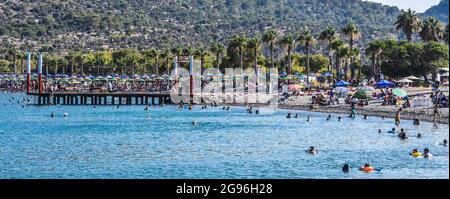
x,y
417,5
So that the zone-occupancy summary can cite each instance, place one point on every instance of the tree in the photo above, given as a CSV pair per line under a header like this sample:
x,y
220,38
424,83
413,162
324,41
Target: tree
x,y
342,56
103,58
288,43
253,45
201,53
446,34
432,30
270,37
12,55
353,34
218,49
155,55
408,22
238,42
306,39
335,46
374,50
166,55
435,56
328,36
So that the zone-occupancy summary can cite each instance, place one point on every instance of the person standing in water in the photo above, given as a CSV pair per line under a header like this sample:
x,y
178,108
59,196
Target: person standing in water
x,y
397,116
436,113
346,168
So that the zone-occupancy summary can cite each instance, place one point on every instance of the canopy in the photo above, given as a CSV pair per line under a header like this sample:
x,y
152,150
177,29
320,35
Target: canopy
x,y
445,75
405,80
412,77
399,92
384,84
342,83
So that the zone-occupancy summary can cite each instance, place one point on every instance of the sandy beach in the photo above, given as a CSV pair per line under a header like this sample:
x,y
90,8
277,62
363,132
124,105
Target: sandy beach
x,y
423,113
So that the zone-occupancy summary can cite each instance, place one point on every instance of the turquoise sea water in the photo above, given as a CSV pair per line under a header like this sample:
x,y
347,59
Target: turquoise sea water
x,y
162,143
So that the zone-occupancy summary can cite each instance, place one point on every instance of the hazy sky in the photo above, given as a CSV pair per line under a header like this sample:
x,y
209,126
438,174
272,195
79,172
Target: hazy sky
x,y
417,5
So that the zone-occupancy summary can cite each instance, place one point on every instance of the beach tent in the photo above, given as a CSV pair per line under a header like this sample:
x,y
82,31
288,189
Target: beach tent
x,y
384,84
341,83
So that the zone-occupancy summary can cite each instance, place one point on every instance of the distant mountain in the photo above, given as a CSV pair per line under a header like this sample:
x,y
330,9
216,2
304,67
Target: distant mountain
x,y
439,11
93,24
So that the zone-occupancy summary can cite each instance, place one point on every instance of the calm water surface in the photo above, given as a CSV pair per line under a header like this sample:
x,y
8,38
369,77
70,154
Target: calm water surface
x,y
162,143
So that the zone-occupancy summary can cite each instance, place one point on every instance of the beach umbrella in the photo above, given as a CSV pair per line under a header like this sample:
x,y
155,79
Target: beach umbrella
x,y
445,75
384,84
399,92
341,83
341,91
361,95
294,87
366,88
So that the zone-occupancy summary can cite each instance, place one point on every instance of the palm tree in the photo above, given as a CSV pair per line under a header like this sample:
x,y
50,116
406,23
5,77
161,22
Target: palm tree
x,y
288,43
155,55
254,44
432,30
12,54
201,53
218,49
306,38
353,65
342,56
328,36
177,51
238,42
408,22
335,46
446,34
353,34
166,55
270,37
374,50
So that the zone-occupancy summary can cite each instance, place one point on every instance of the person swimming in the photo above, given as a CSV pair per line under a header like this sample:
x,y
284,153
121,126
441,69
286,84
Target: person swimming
x,y
379,130
392,131
339,119
228,108
402,135
416,122
257,111
223,108
194,123
52,115
419,135
426,153
296,116
367,168
365,117
146,108
289,116
309,119
444,143
329,118
415,153
346,168
312,150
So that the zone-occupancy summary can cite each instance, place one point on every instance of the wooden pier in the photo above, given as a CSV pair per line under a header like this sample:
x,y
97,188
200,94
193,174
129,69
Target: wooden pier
x,y
81,98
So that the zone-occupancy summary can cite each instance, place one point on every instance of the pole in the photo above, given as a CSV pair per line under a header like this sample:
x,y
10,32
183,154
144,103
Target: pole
x,y
28,72
191,76
40,73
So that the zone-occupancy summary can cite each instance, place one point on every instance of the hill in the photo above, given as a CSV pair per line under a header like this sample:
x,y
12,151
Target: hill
x,y
439,11
91,24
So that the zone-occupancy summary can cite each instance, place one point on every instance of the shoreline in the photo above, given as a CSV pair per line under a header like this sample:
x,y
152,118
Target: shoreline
x,y
422,113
